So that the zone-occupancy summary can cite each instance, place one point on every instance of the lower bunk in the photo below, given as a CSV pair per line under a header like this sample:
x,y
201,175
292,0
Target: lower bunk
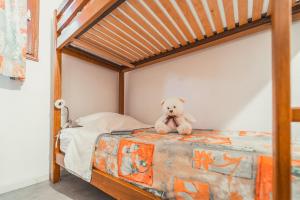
x,y
208,164
115,187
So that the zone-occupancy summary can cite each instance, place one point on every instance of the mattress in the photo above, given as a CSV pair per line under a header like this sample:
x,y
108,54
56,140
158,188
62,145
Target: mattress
x,y
207,164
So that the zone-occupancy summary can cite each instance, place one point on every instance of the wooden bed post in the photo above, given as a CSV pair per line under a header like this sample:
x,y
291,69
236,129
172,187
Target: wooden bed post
x,y
121,92
55,168
281,27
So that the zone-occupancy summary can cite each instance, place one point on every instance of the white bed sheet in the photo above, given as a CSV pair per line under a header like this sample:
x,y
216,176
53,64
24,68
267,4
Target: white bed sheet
x,y
78,144
65,137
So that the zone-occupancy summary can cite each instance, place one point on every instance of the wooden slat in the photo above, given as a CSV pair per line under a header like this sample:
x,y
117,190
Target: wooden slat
x,y
92,11
123,50
190,18
293,2
215,13
229,13
281,61
203,17
296,114
178,20
143,11
54,168
103,44
118,188
62,7
123,35
131,13
88,57
269,7
257,9
136,28
296,16
116,41
165,20
247,29
100,52
243,11
70,13
202,44
121,93
121,39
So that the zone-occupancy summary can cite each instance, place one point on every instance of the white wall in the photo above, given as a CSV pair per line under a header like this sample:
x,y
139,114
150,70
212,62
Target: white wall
x,y
25,116
296,76
88,88
226,86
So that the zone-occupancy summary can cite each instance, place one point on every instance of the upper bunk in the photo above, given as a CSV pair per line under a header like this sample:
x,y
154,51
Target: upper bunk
x,y
128,34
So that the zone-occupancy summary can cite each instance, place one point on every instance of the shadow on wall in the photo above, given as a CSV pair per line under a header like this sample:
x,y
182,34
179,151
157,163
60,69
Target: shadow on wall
x,y
226,87
295,75
7,83
88,88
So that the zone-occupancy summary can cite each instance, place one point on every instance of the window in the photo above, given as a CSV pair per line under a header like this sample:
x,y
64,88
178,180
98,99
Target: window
x,y
33,29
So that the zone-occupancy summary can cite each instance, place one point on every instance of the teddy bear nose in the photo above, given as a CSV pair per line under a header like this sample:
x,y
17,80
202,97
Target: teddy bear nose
x,y
171,111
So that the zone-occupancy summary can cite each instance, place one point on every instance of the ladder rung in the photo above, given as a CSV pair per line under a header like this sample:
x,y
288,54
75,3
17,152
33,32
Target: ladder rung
x,y
296,114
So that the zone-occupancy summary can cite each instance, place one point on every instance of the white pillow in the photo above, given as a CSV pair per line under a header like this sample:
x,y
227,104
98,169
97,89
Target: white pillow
x,y
107,122
83,121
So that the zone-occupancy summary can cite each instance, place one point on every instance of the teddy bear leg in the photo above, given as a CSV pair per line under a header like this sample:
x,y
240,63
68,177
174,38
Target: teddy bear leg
x,y
184,129
162,128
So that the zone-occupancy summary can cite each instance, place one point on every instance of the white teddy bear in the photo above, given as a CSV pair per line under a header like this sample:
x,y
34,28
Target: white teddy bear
x,y
174,117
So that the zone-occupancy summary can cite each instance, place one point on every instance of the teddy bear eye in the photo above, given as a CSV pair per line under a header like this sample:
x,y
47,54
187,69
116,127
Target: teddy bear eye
x,y
174,107
168,108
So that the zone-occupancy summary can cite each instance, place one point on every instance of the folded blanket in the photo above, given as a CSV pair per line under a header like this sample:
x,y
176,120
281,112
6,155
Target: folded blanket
x,y
78,155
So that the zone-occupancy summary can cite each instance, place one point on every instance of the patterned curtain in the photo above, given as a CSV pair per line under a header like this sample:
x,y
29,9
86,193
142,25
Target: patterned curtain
x,y
13,38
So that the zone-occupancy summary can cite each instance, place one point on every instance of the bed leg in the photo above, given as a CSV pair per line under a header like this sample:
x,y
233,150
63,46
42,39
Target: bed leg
x,y
54,148
55,173
281,41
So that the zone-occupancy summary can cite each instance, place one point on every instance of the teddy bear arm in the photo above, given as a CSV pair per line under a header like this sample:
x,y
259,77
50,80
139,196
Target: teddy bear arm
x,y
184,128
161,127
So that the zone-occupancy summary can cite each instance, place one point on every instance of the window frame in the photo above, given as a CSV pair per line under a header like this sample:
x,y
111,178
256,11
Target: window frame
x,y
33,30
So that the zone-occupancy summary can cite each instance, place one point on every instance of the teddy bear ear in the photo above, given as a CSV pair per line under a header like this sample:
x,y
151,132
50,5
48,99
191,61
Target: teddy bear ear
x,y
182,100
162,102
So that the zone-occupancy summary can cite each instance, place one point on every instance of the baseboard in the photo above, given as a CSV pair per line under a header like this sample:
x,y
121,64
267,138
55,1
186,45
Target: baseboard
x,y
15,186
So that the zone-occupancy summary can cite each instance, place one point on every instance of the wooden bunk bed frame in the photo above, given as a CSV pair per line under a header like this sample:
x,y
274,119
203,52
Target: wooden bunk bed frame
x,y
114,34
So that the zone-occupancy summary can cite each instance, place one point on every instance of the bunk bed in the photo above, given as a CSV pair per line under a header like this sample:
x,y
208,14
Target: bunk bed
x,y
125,35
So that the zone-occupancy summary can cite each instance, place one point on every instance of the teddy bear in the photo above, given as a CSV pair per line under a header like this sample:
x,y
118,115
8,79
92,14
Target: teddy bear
x,y
174,118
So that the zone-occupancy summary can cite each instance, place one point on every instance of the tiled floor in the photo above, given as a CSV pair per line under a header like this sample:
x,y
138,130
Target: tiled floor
x,y
69,188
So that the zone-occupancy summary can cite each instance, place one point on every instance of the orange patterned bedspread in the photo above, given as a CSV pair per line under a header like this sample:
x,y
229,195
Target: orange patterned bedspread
x,y
207,165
